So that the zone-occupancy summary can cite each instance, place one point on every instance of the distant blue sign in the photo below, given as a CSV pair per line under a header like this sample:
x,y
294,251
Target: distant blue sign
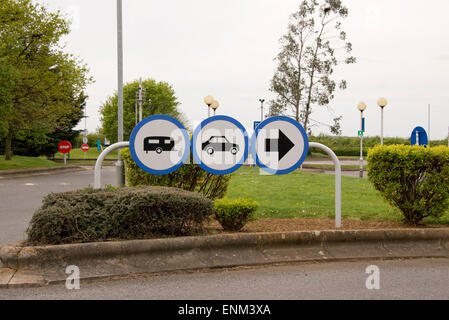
x,y
256,123
419,133
363,124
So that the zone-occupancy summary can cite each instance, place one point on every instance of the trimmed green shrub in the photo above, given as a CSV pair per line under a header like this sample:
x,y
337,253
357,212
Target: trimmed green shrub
x,y
118,213
189,177
234,214
414,179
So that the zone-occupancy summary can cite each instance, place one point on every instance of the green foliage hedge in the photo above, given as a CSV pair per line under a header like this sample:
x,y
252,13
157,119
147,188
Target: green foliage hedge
x,y
118,213
234,214
189,177
414,179
350,146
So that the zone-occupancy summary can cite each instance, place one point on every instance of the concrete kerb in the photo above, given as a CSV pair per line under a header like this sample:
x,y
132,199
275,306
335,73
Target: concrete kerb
x,y
6,174
31,266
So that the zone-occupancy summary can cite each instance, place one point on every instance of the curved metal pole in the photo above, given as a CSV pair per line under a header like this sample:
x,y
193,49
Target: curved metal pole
x,y
337,180
97,174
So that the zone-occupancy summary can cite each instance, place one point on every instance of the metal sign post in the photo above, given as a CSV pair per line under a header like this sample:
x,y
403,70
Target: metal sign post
x,y
256,123
65,147
97,171
337,180
85,148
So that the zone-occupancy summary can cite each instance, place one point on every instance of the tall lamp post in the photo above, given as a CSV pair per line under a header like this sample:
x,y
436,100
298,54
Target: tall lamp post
x,y
120,168
261,108
361,107
215,106
382,102
208,100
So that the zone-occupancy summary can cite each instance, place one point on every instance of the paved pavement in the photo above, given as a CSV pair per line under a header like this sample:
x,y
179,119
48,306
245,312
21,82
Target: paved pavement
x,y
399,279
20,197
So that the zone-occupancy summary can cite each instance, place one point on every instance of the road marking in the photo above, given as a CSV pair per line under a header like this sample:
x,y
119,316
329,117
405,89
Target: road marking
x,y
30,184
64,184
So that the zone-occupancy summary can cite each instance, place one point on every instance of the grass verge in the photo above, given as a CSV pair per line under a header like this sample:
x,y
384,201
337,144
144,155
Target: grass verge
x,y
19,162
311,195
92,153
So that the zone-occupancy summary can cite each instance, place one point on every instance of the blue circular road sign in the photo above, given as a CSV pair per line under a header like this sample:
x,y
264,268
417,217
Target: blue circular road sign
x,y
279,145
159,144
220,145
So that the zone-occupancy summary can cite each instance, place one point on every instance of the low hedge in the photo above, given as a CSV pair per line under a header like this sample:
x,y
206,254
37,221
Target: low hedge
x,y
118,213
234,214
189,177
413,179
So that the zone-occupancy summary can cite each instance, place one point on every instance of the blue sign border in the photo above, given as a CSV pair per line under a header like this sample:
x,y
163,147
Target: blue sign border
x,y
132,141
198,130
420,130
304,136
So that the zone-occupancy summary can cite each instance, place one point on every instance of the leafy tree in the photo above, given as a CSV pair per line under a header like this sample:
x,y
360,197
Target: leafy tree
x,y
36,142
49,83
160,99
306,62
7,83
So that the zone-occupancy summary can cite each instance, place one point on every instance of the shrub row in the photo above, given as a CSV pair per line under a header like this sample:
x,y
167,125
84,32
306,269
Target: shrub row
x,y
350,146
414,179
118,213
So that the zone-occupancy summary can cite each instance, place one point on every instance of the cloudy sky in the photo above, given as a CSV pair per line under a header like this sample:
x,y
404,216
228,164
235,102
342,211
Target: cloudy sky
x,y
226,48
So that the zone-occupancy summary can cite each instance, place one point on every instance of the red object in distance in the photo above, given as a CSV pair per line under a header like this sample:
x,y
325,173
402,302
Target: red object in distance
x,y
64,147
85,147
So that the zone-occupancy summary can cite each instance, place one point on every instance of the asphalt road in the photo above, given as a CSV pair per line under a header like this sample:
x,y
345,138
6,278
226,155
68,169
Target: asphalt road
x,y
399,279
20,197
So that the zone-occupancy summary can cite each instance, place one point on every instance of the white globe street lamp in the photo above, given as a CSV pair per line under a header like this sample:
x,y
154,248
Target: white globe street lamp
x,y
208,100
215,106
382,103
361,107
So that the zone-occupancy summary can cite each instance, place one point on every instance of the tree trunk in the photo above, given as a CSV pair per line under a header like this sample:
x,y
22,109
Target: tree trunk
x,y
297,113
8,152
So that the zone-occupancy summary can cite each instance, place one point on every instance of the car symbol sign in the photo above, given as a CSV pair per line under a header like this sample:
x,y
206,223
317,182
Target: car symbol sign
x,y
220,145
279,145
159,144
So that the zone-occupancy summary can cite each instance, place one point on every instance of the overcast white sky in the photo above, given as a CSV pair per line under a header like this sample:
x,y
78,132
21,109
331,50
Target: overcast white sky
x,y
226,48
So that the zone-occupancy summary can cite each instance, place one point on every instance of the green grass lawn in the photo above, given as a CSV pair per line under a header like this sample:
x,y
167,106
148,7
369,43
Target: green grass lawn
x,y
308,195
19,162
91,154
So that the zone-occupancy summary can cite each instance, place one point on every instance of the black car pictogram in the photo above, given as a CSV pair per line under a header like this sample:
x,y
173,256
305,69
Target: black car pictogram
x,y
219,144
158,144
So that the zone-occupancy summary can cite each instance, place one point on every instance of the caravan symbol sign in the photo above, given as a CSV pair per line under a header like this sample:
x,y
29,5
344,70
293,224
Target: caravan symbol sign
x,y
159,144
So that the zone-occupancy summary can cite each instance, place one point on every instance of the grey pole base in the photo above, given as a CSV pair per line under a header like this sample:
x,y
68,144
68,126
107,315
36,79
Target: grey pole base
x,y
120,170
